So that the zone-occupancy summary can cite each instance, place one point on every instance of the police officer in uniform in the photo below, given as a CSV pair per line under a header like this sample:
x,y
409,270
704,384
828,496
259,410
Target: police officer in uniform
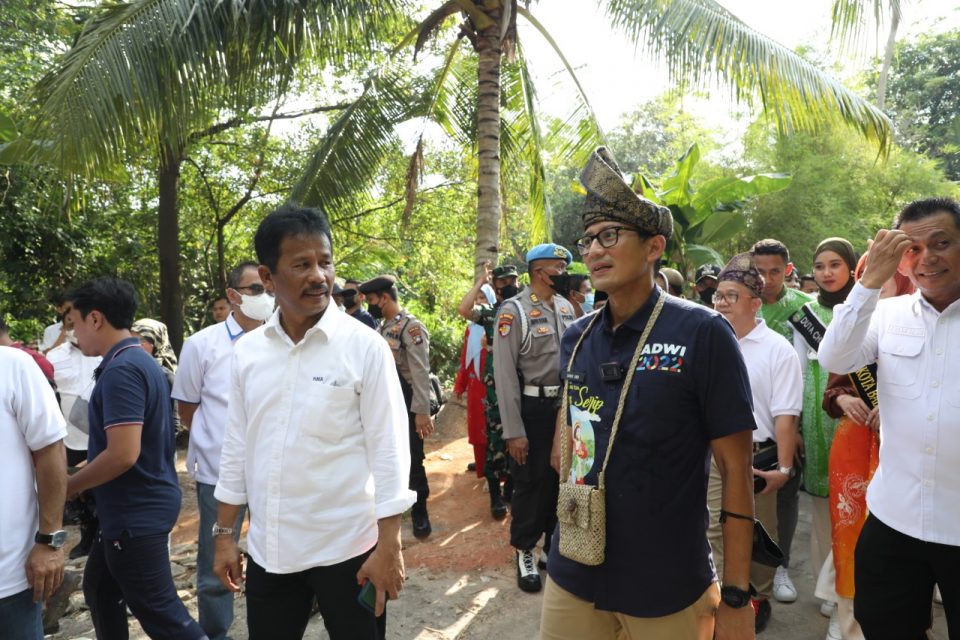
x,y
526,353
504,280
410,343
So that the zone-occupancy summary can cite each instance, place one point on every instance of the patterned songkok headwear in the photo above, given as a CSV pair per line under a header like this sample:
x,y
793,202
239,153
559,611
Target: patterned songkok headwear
x,y
609,197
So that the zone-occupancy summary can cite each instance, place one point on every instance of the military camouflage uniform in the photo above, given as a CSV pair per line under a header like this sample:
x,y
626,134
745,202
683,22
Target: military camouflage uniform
x,y
496,467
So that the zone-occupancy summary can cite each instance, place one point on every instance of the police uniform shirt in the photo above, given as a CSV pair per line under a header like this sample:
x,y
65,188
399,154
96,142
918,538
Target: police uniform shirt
x,y
539,366
690,387
410,344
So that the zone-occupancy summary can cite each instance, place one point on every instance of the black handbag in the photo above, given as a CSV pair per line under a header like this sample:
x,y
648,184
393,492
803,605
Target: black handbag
x,y
765,460
765,551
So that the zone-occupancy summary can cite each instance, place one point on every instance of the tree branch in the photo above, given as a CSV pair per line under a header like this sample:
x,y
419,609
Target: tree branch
x,y
239,121
366,212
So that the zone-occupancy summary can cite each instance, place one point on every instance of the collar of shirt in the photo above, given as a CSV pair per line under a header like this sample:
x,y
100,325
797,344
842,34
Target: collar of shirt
x,y
326,325
921,302
234,330
638,320
756,334
114,352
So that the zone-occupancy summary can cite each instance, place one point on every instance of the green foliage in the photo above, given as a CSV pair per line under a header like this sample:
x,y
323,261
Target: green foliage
x,y
704,217
839,188
923,97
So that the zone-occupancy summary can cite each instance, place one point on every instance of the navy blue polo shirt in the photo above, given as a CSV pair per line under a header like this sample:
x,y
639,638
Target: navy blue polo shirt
x,y
690,387
132,388
364,316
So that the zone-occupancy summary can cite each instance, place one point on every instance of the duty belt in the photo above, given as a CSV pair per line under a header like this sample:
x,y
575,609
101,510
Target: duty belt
x,y
535,391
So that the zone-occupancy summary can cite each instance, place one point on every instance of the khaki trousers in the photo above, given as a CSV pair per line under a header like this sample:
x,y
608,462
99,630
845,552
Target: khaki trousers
x,y
765,510
567,617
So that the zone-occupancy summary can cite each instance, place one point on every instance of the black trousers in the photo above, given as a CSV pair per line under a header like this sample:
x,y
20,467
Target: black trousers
x,y
895,575
278,605
418,475
135,572
535,484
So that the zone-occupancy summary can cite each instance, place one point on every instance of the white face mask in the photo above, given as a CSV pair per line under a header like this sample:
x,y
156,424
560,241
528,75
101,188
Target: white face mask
x,y
257,307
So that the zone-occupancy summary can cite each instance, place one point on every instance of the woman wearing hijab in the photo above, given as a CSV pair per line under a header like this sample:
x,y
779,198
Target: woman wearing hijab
x,y
155,340
833,264
854,456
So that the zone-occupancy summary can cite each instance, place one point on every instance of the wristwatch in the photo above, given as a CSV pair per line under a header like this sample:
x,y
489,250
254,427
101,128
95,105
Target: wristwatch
x,y
734,597
221,531
787,471
55,539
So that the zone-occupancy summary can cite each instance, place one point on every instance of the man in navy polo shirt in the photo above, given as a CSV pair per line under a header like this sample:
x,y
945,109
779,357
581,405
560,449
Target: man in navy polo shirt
x,y
688,394
130,470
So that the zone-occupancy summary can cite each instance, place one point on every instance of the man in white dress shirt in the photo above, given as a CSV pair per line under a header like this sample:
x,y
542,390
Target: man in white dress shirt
x,y
316,446
911,540
201,389
777,389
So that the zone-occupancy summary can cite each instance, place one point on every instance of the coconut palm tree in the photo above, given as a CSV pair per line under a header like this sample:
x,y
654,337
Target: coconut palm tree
x,y
149,71
699,40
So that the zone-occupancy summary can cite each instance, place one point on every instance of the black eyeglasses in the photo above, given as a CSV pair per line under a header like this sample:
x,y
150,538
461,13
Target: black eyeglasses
x,y
607,238
254,289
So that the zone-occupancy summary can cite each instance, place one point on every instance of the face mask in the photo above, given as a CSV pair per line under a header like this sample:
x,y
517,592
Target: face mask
x,y
560,283
706,296
587,304
507,291
375,311
349,298
257,307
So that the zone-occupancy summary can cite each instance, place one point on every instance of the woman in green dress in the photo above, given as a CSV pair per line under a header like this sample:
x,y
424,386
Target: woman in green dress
x,y
833,263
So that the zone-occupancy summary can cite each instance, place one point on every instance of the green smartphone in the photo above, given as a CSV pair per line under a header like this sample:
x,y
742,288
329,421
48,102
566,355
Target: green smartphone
x,y
367,598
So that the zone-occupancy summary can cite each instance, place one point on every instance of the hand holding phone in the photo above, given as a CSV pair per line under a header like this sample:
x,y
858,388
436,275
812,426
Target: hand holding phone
x,y
367,598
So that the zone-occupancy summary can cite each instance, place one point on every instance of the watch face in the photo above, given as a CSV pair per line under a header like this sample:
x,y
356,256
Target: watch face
x,y
59,539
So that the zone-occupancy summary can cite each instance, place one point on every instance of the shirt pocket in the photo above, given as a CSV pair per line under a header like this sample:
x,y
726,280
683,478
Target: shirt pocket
x,y
329,412
544,338
900,369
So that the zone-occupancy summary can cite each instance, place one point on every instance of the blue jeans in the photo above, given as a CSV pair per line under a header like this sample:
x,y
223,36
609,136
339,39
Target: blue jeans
x,y
215,601
20,617
135,572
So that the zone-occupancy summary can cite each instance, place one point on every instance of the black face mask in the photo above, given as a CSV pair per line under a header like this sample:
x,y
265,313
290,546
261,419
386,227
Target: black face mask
x,y
560,283
507,291
706,296
375,311
349,298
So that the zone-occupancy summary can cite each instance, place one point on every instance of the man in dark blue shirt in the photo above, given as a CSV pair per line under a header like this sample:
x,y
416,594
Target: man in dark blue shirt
x,y
688,393
353,303
130,468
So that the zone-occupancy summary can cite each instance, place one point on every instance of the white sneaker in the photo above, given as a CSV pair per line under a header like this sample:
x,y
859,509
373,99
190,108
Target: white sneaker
x,y
936,595
833,631
783,589
827,608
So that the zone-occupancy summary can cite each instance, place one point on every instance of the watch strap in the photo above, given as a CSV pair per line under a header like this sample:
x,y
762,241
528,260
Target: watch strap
x,y
221,531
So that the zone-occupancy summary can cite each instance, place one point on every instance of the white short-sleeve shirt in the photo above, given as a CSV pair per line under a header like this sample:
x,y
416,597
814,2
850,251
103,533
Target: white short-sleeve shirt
x,y
203,378
775,378
29,421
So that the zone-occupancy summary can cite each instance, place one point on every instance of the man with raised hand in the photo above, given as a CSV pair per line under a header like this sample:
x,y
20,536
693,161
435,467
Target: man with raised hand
x,y
911,539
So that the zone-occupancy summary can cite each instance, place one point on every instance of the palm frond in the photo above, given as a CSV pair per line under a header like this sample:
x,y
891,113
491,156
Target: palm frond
x,y
699,39
849,24
355,145
150,69
581,132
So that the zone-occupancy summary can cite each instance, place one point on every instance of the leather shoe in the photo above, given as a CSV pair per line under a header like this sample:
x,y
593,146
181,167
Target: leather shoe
x,y
421,525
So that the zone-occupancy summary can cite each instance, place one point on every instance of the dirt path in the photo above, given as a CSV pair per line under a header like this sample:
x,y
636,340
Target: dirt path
x,y
461,582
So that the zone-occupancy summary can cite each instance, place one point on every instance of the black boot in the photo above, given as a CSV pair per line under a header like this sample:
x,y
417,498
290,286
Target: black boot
x,y
508,489
421,521
498,509
88,532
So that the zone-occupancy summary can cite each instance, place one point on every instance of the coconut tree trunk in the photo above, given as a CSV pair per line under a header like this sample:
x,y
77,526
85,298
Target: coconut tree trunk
x,y
168,248
488,140
887,59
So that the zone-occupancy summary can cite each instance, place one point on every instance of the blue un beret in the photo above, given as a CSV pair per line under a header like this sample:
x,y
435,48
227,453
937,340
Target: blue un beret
x,y
549,251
